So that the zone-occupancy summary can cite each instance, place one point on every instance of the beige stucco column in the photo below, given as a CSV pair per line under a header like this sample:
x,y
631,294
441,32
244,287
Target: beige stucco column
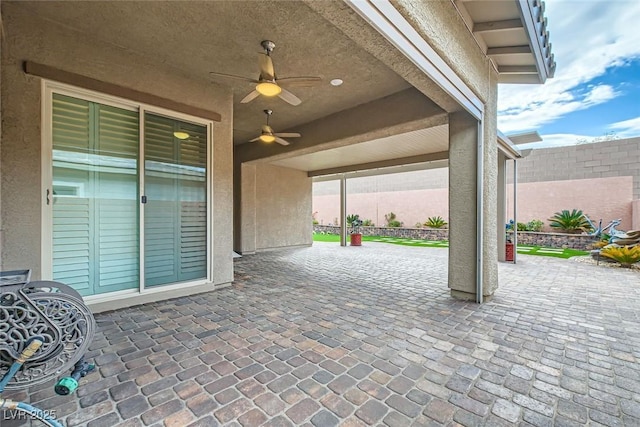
x,y
248,209
467,265
502,205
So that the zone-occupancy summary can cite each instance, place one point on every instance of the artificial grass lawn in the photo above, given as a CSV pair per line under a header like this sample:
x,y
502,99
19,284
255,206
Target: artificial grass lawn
x,y
527,250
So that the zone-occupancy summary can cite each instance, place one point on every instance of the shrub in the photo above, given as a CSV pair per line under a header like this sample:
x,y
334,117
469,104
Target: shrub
x,y
391,220
535,225
435,222
570,222
522,226
368,223
625,255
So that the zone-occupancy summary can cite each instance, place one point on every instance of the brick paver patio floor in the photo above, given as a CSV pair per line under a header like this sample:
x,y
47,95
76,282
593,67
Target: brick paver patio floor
x,y
327,336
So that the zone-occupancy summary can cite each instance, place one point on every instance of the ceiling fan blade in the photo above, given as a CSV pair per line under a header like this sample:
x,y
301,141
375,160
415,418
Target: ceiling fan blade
x,y
255,139
300,81
288,134
266,67
289,97
231,76
250,97
281,141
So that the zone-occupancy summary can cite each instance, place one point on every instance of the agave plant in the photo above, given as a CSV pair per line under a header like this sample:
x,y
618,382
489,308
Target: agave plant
x,y
625,255
569,221
435,222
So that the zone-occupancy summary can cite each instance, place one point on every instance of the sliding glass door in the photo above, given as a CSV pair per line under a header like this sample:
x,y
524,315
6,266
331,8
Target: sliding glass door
x,y
175,213
113,199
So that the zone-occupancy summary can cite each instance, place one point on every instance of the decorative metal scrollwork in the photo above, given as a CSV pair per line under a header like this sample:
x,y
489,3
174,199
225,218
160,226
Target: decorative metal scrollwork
x,y
49,310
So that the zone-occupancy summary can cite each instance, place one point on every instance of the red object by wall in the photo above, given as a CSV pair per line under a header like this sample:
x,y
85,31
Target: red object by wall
x,y
508,256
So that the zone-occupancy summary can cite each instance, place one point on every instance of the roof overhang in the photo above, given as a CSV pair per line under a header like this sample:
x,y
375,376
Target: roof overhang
x,y
525,137
507,147
513,36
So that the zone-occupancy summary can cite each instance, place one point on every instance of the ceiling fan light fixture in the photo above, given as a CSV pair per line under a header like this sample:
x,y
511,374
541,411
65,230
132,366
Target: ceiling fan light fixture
x,y
181,134
268,89
267,138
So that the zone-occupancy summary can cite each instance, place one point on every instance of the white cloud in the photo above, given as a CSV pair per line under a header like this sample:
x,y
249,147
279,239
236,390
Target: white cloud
x,y
536,113
627,128
588,37
600,94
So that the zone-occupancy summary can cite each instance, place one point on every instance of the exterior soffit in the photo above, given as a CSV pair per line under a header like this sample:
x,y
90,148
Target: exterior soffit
x,y
514,36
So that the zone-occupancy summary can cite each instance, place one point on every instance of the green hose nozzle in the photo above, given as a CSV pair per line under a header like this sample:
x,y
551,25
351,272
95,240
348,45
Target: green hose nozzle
x,y
65,386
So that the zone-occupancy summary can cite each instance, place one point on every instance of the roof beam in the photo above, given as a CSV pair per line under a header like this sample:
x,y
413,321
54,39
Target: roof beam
x,y
400,112
508,50
485,27
518,69
436,164
422,158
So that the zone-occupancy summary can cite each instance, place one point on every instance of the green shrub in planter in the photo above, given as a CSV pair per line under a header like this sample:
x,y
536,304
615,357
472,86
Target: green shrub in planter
x,y
435,222
569,221
535,225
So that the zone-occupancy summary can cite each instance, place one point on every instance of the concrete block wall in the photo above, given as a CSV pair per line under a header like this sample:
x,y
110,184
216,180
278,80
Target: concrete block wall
x,y
598,160
602,179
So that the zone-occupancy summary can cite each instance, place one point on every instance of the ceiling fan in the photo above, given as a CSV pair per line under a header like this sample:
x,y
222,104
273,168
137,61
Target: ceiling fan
x,y
268,135
267,83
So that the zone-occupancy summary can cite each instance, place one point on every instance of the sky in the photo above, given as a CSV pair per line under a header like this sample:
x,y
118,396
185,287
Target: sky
x,y
595,93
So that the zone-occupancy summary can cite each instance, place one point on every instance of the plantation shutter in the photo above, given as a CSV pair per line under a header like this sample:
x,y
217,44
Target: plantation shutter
x,y
176,209
117,198
95,211
193,225
72,232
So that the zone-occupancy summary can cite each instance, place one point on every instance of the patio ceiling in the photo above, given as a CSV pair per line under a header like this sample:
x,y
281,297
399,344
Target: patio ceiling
x,y
194,38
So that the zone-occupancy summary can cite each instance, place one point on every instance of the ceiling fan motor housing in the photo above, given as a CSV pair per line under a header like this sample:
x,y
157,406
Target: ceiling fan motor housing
x,y
268,46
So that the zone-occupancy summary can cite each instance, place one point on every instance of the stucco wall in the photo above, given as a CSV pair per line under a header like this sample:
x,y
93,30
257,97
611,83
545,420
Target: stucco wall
x,y
635,219
282,206
442,26
29,38
602,179
409,206
608,198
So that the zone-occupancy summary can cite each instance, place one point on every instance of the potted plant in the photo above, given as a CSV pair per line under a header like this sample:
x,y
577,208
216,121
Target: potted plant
x,y
355,235
508,254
